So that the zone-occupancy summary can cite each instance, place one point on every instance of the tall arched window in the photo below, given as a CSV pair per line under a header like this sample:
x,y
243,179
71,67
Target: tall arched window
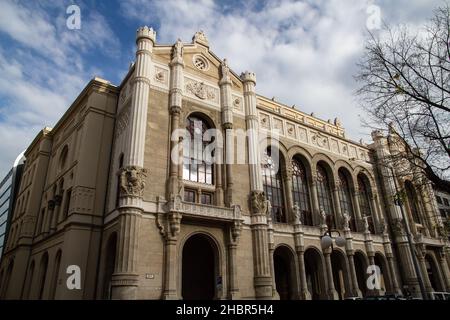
x,y
345,201
300,191
412,201
364,200
324,193
273,186
197,165
63,157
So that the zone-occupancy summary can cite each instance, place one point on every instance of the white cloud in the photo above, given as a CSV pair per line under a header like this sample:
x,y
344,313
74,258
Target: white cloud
x,y
303,52
42,68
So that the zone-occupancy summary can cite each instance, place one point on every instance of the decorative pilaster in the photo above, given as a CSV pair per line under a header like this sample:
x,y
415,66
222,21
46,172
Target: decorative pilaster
x,y
368,242
259,205
331,293
299,241
170,248
234,234
315,200
444,267
176,93
227,125
356,292
392,274
420,253
132,176
409,275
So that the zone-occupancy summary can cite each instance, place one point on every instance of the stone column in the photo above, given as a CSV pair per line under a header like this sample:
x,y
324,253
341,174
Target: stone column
x,y
392,274
176,92
299,241
259,205
356,292
332,293
368,242
125,279
375,213
171,233
358,215
444,267
227,125
337,208
315,201
287,178
420,253
234,234
400,240
270,233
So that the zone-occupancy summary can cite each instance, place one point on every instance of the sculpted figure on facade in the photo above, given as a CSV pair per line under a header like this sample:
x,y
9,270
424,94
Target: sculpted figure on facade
x,y
346,220
177,51
132,181
297,214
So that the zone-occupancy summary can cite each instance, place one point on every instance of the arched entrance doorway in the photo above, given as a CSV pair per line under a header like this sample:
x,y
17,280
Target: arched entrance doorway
x,y
199,268
314,274
385,281
340,274
361,271
433,274
285,279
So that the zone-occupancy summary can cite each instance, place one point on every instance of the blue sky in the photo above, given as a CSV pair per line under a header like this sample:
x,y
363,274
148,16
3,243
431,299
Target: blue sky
x,y
303,52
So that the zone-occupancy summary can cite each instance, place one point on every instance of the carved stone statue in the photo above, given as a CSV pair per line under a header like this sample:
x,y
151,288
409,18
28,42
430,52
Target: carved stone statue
x,y
323,217
224,69
132,181
177,50
366,224
346,220
297,214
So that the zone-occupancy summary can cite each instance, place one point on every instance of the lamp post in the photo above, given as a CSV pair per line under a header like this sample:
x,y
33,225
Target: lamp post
x,y
326,240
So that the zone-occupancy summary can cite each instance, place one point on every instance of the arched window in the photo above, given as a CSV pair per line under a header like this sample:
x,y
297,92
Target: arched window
x,y
324,193
345,201
273,186
364,200
54,282
300,191
30,280
412,201
42,275
63,157
118,180
197,165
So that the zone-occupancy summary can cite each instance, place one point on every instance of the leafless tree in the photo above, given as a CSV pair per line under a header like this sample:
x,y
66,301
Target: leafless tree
x,y
404,80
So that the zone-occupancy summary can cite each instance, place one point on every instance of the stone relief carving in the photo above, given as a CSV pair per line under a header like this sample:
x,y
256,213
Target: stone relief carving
x,y
323,217
290,129
200,90
237,103
122,120
132,181
319,140
161,75
258,202
265,121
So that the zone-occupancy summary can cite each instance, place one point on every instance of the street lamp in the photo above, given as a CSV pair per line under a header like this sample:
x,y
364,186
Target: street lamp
x,y
326,240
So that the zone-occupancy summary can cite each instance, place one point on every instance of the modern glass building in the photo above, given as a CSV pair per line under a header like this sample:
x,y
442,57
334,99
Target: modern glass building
x,y
8,191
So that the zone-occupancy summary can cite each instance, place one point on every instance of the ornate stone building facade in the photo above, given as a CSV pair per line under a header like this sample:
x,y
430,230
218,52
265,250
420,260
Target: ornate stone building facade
x,y
100,192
